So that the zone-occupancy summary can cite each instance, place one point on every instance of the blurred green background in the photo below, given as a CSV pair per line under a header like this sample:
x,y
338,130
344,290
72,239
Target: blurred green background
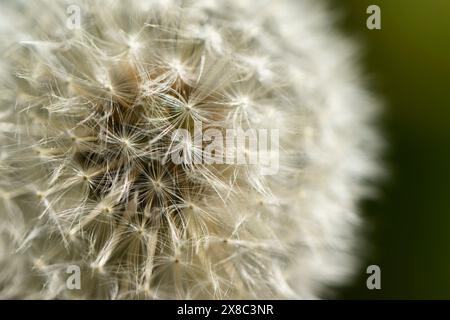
x,y
409,224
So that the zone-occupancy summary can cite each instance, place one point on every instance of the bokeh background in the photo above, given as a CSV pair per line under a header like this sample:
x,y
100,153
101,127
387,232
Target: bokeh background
x,y
409,224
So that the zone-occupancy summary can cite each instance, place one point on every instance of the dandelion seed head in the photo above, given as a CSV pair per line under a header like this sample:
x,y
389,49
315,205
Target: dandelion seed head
x,y
87,119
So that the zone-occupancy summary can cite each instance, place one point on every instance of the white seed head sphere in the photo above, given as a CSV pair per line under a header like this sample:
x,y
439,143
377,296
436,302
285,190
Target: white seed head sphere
x,y
90,95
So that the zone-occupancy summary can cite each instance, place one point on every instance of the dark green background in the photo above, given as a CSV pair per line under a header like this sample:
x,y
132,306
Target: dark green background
x,y
409,224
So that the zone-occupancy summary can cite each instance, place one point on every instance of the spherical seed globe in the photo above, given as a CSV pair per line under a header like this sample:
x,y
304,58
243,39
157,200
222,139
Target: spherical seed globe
x,y
92,206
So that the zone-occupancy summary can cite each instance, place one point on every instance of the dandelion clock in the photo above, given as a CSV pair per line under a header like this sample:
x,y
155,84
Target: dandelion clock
x,y
158,149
